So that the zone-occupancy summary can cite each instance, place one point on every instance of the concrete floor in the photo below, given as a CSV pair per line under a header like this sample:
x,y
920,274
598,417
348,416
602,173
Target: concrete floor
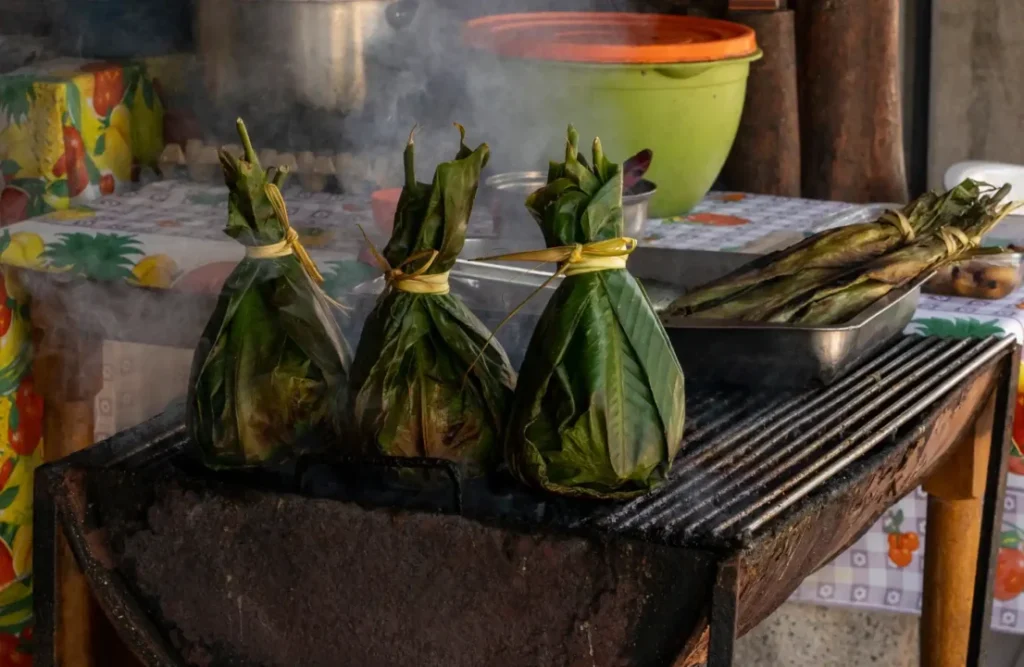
x,y
801,635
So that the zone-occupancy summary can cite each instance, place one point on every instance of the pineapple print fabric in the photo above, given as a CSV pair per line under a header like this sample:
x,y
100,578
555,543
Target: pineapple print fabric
x,y
73,131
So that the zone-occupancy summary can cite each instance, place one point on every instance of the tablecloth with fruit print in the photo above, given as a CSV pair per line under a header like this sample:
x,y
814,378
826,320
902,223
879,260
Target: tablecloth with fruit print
x,y
169,235
73,130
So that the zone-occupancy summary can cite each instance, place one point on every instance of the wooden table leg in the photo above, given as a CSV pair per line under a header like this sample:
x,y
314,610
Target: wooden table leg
x,y
956,493
68,374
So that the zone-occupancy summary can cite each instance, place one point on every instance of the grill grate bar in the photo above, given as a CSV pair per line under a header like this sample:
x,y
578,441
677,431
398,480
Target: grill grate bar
x,y
967,367
704,404
782,413
714,417
751,475
739,472
832,419
752,441
698,445
819,453
158,450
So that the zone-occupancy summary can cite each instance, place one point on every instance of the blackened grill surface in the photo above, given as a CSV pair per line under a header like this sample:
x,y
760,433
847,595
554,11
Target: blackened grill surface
x,y
746,458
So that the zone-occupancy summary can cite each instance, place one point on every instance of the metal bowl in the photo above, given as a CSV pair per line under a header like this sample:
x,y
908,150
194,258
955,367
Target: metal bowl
x,y
506,197
507,194
634,208
316,53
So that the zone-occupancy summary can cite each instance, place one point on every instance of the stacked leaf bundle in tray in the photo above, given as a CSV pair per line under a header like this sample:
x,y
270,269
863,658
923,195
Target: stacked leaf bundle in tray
x,y
832,276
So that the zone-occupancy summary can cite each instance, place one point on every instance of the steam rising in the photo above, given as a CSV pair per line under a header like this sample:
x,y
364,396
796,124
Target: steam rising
x,y
386,77
411,70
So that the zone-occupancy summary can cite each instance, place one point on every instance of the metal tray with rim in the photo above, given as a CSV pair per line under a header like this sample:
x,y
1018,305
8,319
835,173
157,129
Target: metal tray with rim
x,y
789,355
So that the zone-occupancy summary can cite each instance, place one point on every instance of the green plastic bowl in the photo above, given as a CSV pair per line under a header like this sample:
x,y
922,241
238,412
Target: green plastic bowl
x,y
687,113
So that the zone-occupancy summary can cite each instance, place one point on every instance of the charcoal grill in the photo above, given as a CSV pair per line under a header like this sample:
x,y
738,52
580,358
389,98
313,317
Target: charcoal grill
x,y
769,488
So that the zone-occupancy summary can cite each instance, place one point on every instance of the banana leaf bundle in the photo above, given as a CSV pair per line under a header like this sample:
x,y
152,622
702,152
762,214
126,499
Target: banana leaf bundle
x,y
427,379
818,296
831,249
271,366
852,294
599,407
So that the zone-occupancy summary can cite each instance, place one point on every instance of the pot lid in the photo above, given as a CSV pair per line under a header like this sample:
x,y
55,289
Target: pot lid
x,y
610,37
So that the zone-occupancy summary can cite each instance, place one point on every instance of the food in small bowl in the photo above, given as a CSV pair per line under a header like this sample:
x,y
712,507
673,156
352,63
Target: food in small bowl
x,y
984,277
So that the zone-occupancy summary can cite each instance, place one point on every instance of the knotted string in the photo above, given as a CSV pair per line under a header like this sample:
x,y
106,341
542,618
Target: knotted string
x,y
900,221
578,258
956,240
290,244
415,282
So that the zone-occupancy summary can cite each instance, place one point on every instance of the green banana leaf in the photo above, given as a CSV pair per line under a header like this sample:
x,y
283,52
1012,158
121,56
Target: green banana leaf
x,y
428,379
835,249
840,302
271,366
600,403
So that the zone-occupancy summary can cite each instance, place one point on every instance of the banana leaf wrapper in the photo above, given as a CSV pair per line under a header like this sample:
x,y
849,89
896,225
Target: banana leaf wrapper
x,y
428,378
600,403
271,367
831,249
836,304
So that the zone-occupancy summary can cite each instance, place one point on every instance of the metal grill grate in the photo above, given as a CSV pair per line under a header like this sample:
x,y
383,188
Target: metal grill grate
x,y
748,457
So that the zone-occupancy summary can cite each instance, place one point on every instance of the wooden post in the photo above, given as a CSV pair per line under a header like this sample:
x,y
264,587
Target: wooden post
x,y
851,119
68,374
955,498
766,156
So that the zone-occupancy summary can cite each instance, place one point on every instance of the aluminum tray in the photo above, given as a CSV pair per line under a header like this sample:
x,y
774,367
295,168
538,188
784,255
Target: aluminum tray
x,y
788,355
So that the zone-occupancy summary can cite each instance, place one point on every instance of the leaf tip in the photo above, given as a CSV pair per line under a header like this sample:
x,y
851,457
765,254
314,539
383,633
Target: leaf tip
x,y
243,135
462,132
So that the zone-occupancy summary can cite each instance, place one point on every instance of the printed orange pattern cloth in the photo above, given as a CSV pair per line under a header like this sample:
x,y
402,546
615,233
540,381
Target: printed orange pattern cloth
x,y
21,451
71,131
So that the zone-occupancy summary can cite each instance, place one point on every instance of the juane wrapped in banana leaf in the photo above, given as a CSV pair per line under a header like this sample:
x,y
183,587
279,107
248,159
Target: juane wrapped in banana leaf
x,y
852,293
813,283
271,366
599,406
824,252
427,379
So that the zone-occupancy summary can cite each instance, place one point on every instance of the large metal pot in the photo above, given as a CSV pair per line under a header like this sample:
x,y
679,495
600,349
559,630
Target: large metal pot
x,y
313,52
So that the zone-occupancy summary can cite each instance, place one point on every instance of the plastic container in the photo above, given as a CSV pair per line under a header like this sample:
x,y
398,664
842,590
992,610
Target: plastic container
x,y
674,84
984,277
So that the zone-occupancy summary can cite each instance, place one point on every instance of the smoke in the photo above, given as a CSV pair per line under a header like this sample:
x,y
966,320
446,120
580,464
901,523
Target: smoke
x,y
348,86
349,78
